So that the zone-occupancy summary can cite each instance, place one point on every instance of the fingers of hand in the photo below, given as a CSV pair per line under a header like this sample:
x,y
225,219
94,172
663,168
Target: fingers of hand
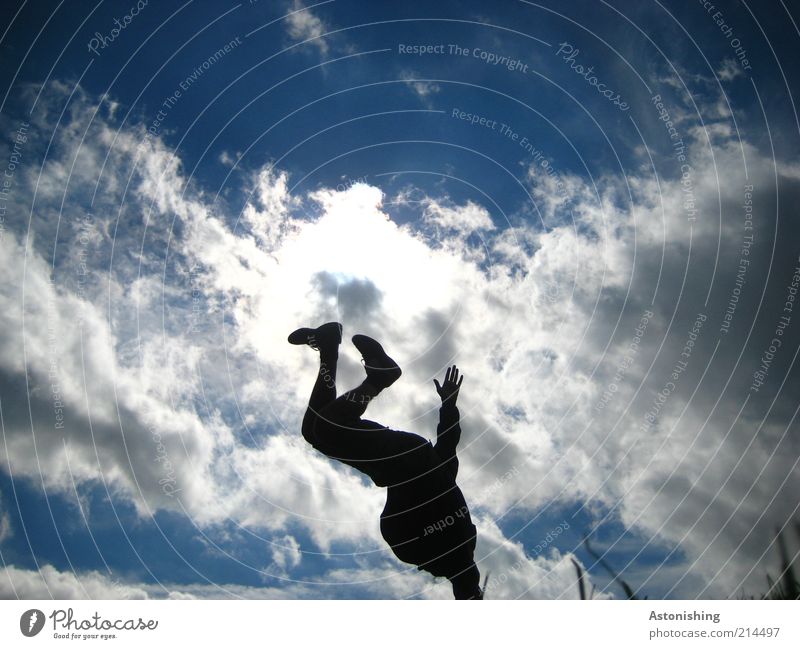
x,y
452,379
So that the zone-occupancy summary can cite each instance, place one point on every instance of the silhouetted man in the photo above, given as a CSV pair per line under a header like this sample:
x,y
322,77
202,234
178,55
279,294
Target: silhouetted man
x,y
426,520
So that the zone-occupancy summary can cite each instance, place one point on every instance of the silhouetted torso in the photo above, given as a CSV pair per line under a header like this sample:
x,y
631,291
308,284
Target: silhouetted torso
x,y
426,521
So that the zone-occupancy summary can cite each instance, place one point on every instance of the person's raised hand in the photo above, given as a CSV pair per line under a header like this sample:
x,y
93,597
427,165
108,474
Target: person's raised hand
x,y
452,382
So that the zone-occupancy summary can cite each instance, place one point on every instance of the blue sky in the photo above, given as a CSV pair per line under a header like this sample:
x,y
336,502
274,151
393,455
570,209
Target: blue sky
x,y
218,173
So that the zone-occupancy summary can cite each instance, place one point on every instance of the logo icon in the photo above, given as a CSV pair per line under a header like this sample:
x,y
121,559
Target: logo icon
x,y
31,622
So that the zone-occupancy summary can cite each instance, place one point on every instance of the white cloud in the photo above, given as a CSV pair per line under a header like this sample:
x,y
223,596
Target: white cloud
x,y
382,582
729,70
422,88
286,553
50,583
303,24
5,522
5,527
227,159
511,573
464,219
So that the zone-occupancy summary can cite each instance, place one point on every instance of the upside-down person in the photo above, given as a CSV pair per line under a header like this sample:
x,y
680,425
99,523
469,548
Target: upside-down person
x,y
426,520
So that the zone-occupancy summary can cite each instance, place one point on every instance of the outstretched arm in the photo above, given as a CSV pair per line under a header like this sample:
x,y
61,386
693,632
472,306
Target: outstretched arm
x,y
448,432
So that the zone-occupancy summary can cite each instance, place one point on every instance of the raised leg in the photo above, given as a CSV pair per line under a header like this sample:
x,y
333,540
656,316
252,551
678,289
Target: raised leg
x,y
381,370
322,394
325,339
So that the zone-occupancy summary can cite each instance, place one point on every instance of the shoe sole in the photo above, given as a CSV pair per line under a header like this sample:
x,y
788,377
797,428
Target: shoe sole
x,y
372,349
307,335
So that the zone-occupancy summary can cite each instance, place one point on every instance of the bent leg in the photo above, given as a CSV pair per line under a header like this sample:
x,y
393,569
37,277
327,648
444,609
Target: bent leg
x,y
388,456
351,405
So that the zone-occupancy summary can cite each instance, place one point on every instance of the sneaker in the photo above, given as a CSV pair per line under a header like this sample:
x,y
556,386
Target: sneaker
x,y
324,337
382,371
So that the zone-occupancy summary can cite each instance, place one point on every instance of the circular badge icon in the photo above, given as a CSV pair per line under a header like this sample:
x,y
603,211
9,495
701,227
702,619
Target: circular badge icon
x,y
31,622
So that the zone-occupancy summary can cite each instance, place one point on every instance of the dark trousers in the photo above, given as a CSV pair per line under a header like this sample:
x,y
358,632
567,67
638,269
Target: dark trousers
x,y
333,425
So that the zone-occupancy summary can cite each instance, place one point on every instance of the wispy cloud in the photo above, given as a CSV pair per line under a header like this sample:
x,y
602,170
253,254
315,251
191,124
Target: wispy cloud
x,y
304,25
423,89
729,70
